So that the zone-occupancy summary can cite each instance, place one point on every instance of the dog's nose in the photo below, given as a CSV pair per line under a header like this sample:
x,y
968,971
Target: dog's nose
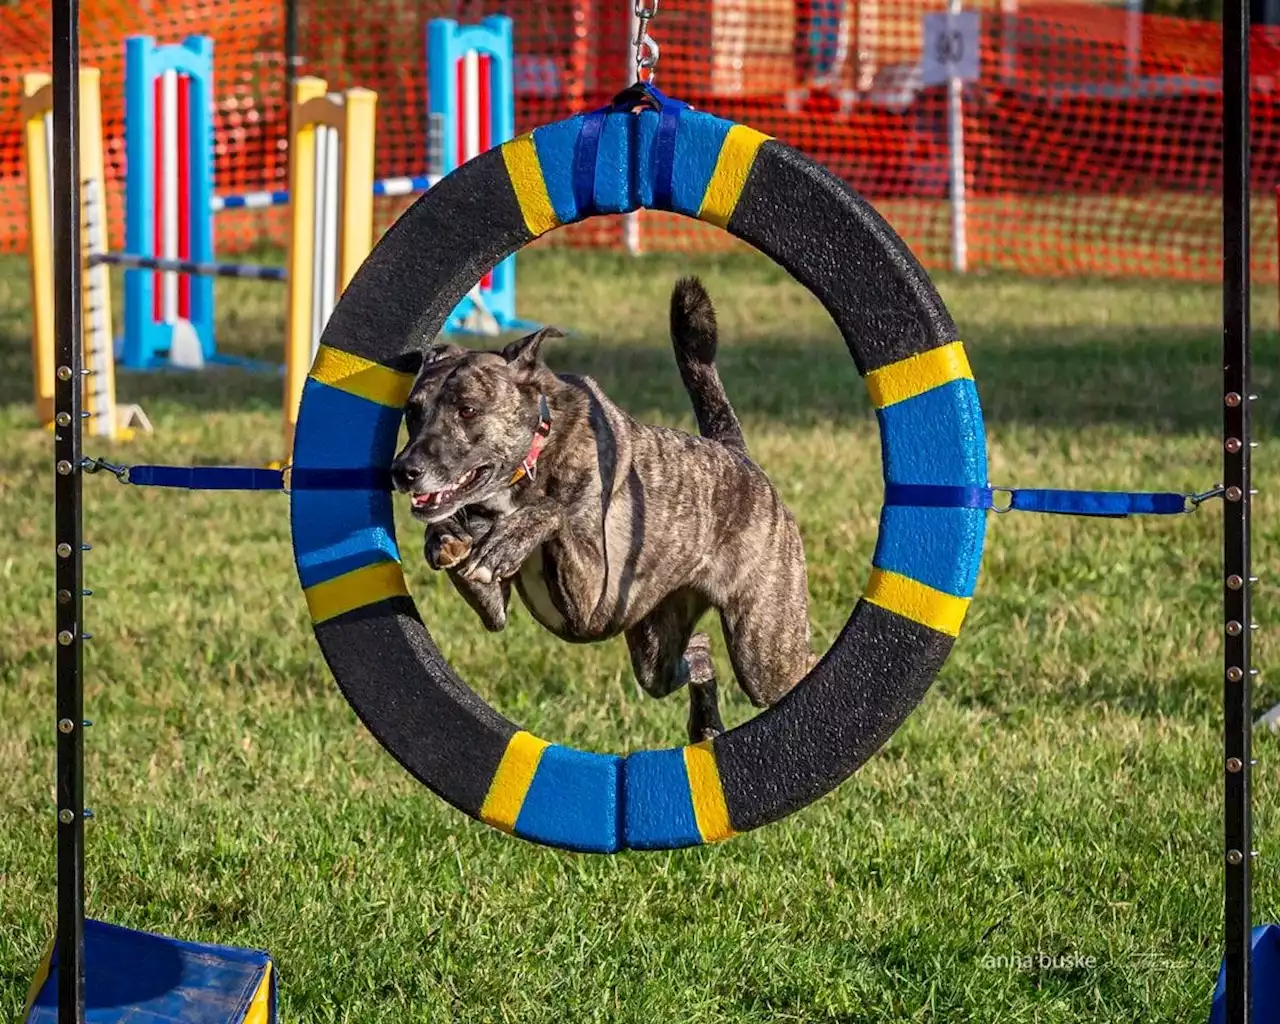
x,y
405,471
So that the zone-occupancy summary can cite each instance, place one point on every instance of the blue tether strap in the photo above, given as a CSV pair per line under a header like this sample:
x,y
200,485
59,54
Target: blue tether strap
x,y
642,94
245,478
1108,504
206,478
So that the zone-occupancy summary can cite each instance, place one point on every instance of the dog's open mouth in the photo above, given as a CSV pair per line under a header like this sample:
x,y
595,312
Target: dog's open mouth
x,y
430,501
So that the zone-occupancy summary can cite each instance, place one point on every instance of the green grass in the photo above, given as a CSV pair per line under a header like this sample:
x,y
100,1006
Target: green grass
x,y
1057,793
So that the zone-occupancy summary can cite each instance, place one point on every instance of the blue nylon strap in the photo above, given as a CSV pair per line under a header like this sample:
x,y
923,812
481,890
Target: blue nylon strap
x,y
251,478
1100,503
208,478
1109,504
664,147
584,161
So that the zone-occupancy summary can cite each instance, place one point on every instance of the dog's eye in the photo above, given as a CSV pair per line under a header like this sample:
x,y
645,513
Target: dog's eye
x,y
467,412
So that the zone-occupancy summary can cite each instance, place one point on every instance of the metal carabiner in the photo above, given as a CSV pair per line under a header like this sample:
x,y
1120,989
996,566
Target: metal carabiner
x,y
92,465
1194,501
646,47
648,55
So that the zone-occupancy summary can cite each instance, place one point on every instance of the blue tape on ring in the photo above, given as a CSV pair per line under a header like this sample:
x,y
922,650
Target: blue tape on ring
x,y
584,161
586,153
664,147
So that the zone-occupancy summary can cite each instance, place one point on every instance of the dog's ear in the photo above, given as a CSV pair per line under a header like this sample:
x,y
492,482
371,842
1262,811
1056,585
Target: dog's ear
x,y
445,350
432,357
522,353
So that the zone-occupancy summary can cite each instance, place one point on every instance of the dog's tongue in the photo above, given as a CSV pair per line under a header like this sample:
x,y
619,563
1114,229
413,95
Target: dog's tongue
x,y
423,499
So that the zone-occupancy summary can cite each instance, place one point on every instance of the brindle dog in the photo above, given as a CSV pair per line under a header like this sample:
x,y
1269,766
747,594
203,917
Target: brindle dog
x,y
606,525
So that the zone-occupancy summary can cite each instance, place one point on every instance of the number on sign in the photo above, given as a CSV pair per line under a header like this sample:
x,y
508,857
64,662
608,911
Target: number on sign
x,y
950,47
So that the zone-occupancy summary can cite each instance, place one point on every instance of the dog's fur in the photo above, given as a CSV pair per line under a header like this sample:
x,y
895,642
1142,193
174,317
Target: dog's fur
x,y
624,527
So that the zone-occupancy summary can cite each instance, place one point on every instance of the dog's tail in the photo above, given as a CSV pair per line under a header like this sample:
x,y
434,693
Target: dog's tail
x,y
694,336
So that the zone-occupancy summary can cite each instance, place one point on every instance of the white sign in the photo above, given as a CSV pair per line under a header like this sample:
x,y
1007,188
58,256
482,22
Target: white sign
x,y
951,44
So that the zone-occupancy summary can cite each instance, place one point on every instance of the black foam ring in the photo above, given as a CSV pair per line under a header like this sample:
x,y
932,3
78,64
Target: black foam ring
x,y
409,697
880,666
835,244
820,733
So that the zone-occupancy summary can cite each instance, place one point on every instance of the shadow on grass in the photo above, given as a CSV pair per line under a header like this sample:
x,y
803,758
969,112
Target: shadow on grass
x,y
1164,380
215,389
1156,380
1044,353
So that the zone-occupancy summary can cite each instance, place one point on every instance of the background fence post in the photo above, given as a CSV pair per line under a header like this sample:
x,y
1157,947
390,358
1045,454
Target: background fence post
x,y
955,151
292,59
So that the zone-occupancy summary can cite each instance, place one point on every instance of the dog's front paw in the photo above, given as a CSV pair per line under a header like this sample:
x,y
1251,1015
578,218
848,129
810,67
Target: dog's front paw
x,y
495,558
445,549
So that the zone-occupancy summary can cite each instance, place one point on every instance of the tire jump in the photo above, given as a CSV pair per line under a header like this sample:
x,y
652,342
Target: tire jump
x,y
904,345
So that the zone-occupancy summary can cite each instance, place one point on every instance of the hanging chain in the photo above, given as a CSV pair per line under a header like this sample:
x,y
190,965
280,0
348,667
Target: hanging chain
x,y
646,46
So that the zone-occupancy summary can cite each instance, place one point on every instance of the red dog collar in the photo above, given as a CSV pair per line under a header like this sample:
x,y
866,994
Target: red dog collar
x,y
529,467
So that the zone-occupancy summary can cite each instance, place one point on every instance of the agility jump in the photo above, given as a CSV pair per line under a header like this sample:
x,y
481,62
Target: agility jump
x,y
170,199
614,161
331,230
169,146
331,217
642,151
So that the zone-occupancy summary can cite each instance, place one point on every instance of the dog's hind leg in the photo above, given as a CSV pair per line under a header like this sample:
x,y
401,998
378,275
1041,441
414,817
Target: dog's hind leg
x,y
704,707
666,654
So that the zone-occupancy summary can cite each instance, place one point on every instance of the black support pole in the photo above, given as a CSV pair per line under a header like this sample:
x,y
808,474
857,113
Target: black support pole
x,y
292,59
1238,697
68,557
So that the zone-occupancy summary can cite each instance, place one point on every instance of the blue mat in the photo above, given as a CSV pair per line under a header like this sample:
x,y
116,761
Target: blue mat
x,y
143,978
1266,979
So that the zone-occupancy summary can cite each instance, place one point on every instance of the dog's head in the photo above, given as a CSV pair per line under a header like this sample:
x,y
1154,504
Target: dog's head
x,y
471,418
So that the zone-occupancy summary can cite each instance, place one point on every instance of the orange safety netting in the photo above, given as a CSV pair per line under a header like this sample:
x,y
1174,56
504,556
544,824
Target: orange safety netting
x,y
1091,136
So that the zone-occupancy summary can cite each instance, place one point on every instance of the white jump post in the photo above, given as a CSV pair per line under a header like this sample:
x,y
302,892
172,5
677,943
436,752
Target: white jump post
x,y
104,417
331,231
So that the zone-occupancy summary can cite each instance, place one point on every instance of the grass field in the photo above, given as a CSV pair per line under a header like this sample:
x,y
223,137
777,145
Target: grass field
x,y
1057,793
